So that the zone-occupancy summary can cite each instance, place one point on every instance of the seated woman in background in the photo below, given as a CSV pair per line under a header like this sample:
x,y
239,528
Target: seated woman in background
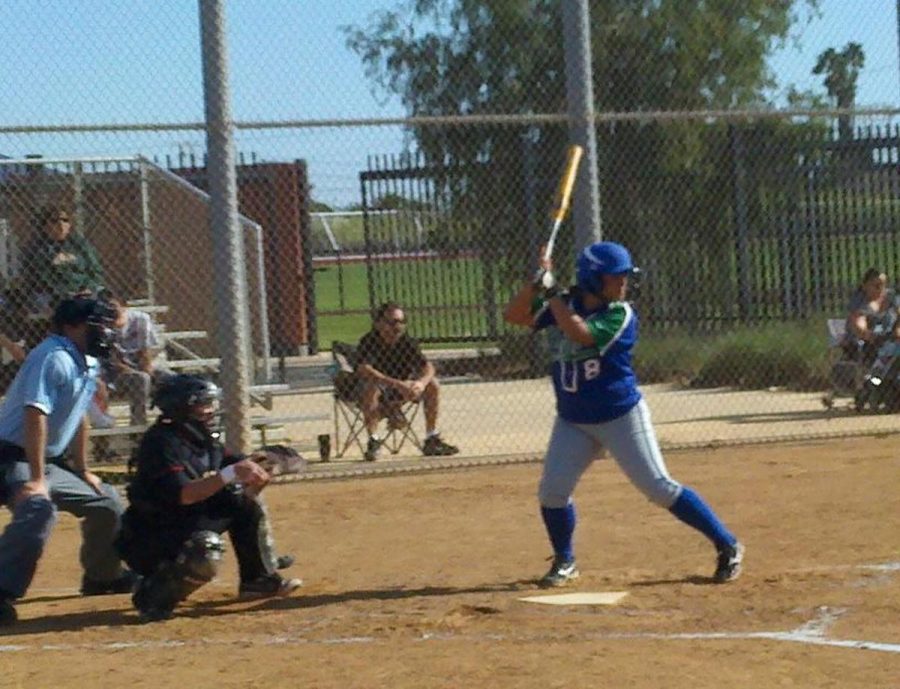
x,y
58,262
873,316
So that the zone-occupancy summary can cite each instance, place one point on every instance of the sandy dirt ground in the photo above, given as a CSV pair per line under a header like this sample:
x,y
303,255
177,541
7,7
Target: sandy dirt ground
x,y
415,581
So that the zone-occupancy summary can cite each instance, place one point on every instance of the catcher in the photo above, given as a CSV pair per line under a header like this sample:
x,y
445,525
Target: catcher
x,y
185,492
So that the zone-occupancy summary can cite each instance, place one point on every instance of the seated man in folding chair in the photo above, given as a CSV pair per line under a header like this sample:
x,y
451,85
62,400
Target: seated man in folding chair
x,y
394,371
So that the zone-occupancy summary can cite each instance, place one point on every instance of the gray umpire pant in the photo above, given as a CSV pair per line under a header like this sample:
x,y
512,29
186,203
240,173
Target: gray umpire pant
x,y
22,541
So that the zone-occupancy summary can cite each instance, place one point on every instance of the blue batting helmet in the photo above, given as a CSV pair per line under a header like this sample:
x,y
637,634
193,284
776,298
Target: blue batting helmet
x,y
598,259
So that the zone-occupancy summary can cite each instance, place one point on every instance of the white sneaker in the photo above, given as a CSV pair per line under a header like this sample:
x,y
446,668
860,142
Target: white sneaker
x,y
99,418
561,573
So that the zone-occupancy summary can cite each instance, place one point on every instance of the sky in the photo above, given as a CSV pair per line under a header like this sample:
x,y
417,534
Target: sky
x,y
107,61
871,23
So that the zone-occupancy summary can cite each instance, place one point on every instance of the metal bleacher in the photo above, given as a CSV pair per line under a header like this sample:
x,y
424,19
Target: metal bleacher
x,y
177,355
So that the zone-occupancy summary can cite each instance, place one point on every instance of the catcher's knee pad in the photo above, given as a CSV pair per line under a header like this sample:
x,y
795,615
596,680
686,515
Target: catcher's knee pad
x,y
201,556
174,580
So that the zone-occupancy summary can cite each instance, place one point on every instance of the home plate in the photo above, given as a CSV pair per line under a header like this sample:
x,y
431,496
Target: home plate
x,y
587,598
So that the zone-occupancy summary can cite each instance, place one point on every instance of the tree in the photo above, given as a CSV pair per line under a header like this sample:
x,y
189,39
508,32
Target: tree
x,y
458,57
392,201
319,207
841,70
446,57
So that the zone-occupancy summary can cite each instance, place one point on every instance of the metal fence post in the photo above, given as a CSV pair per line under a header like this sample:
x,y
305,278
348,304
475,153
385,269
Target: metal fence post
x,y
230,277
145,227
582,127
78,197
309,272
741,222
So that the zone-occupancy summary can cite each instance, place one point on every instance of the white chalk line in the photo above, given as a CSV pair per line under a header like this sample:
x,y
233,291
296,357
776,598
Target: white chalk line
x,y
811,632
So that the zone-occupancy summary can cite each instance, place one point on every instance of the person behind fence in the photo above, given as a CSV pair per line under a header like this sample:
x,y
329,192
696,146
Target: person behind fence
x,y
872,317
592,330
131,370
184,493
57,262
43,416
394,370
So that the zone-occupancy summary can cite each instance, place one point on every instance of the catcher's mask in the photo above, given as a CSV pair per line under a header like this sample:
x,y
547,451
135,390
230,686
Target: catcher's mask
x,y
98,314
178,396
599,259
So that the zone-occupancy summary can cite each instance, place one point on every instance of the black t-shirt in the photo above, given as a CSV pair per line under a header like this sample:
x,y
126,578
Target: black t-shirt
x,y
403,360
169,457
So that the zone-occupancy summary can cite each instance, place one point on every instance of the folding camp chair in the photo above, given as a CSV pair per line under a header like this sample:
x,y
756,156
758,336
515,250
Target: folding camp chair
x,y
347,394
846,366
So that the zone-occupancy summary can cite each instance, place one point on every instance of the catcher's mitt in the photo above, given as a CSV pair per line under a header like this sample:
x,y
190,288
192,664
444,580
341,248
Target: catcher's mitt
x,y
278,460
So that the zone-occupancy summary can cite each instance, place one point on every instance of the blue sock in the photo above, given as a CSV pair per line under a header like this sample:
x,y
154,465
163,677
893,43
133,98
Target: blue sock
x,y
560,523
693,511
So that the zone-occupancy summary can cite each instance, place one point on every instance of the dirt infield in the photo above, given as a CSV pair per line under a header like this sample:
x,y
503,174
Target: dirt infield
x,y
413,581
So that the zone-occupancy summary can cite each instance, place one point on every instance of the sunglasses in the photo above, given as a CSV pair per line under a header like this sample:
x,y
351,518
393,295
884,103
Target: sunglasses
x,y
395,321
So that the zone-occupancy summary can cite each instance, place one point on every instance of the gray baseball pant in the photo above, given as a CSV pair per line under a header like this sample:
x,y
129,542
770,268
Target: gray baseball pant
x,y
22,541
630,439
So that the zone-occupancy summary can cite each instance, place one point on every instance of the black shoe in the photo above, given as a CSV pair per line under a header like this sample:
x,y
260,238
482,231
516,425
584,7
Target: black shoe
x,y
148,610
561,573
8,615
435,447
373,449
269,586
124,583
729,563
284,561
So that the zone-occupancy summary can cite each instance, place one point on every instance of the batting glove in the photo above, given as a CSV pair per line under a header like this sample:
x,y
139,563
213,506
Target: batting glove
x,y
545,283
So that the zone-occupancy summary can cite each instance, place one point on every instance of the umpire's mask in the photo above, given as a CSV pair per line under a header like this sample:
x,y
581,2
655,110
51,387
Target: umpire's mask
x,y
97,314
101,329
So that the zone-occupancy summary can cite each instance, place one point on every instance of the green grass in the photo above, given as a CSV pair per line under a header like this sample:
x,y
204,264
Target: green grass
x,y
351,278
451,282
342,328
347,230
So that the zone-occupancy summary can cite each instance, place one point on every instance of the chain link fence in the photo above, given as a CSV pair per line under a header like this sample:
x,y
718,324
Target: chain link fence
x,y
754,214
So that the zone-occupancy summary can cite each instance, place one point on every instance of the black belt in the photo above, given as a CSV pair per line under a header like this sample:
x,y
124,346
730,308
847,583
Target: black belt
x,y
10,452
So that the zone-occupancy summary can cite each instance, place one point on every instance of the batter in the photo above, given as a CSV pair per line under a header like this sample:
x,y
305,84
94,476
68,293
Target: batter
x,y
592,330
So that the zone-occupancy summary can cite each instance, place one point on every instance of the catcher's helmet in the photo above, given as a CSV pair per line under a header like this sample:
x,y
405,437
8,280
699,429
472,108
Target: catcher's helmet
x,y
599,259
177,394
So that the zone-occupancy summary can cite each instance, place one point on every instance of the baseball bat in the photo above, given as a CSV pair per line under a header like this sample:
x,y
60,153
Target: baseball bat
x,y
564,195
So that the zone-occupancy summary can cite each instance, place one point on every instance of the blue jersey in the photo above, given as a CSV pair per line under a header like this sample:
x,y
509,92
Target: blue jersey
x,y
593,383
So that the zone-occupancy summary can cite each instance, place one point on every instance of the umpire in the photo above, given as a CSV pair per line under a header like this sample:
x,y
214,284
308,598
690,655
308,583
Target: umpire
x,y
42,417
184,493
